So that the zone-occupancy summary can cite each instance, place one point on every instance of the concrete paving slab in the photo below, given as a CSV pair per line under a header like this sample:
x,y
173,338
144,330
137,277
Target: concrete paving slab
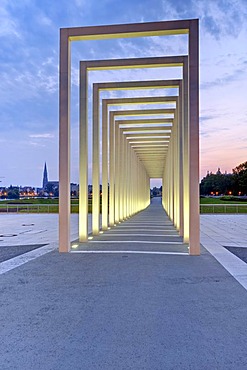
x,y
116,312
8,252
219,231
240,252
25,229
136,235
124,310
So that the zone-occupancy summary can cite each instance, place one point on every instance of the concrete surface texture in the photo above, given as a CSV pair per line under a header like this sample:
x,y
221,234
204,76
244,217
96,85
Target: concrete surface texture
x,y
122,311
182,156
150,231
218,232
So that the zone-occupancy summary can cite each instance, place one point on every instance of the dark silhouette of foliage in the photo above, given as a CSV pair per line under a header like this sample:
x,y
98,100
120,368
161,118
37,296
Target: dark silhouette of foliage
x,y
226,184
240,177
13,192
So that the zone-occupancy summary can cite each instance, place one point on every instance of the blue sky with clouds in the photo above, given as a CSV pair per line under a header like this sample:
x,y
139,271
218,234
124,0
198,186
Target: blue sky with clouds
x,y
29,45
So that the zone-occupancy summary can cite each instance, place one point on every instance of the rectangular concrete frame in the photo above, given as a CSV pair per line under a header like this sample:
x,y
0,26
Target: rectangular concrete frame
x,y
106,102
128,30
126,175
144,85
98,65
178,216
96,208
115,200
177,221
97,88
138,179
114,135
120,64
144,149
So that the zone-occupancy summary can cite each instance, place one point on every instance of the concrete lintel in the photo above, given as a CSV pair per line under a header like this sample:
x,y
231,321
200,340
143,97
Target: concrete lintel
x,y
143,29
136,30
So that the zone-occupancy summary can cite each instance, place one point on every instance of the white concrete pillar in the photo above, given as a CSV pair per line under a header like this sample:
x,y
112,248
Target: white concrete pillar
x,y
95,165
83,149
105,133
194,227
64,143
112,171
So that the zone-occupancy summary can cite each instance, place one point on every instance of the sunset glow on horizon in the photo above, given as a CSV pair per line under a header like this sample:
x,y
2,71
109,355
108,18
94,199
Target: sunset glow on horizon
x,y
29,76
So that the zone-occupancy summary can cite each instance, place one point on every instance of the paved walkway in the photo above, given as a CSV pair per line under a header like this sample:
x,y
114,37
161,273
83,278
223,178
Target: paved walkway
x,y
225,237
150,231
123,310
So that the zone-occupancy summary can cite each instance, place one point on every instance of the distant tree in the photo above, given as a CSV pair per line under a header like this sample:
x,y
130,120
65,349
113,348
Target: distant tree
x,y
56,192
217,183
155,191
240,177
229,183
13,192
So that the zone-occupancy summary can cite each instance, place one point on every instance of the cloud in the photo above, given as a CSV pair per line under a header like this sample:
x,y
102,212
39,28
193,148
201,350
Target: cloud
x,y
9,26
42,136
27,81
35,144
216,17
29,66
80,3
45,21
204,118
225,79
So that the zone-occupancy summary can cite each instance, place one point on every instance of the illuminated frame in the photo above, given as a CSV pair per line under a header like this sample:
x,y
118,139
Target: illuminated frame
x,y
67,35
115,134
97,88
120,139
133,122
97,65
122,101
136,85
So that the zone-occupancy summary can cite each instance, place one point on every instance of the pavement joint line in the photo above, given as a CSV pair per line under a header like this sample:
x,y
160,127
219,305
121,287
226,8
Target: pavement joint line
x,y
133,241
136,227
150,223
233,264
131,252
144,224
17,261
235,246
127,234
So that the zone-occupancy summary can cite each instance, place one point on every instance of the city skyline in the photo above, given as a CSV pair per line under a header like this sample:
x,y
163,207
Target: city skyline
x,y
46,179
29,77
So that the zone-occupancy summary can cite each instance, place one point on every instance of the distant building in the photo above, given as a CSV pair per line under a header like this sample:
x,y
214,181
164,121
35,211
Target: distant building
x,y
48,185
45,177
51,188
27,191
156,192
74,190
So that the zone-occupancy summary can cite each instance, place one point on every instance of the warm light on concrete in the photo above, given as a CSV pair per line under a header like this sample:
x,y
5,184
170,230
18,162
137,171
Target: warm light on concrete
x,y
185,134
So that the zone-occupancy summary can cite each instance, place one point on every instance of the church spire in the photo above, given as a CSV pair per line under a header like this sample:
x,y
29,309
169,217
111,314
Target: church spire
x,y
45,177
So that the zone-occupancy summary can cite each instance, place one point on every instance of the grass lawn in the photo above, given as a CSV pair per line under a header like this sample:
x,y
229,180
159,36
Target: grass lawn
x,y
40,205
220,201
223,205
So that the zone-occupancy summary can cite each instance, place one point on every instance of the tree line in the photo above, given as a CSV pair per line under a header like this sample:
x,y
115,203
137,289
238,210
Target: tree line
x,y
234,183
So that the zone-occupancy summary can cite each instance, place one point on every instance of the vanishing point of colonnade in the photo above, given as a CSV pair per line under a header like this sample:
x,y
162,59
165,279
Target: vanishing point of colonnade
x,y
137,144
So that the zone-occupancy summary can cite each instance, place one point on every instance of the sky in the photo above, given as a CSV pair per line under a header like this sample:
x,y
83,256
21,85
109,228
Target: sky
x,y
29,60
